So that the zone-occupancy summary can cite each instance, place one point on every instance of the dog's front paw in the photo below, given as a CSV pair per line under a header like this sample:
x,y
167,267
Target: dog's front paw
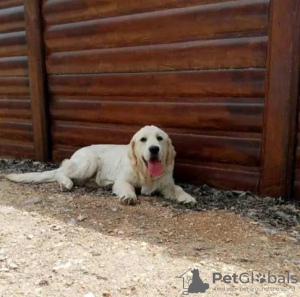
x,y
129,199
186,199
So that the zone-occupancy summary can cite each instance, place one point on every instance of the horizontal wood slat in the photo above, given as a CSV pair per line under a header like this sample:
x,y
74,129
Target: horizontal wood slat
x,y
10,3
14,66
236,83
232,117
15,109
232,150
13,44
19,131
67,11
225,178
16,149
14,86
193,23
12,19
227,53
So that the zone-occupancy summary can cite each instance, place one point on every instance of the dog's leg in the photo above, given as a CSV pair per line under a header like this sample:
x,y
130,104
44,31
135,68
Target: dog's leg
x,y
125,192
174,192
64,182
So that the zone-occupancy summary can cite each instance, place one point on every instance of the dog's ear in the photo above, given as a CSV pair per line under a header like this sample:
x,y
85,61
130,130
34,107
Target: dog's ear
x,y
131,153
170,156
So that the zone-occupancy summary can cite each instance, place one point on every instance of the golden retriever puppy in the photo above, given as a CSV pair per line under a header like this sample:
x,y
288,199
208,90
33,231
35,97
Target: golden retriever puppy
x,y
146,163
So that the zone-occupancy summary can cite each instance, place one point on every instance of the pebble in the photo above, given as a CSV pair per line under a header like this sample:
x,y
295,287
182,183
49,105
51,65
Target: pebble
x,y
89,295
106,294
33,200
72,222
121,232
82,217
55,227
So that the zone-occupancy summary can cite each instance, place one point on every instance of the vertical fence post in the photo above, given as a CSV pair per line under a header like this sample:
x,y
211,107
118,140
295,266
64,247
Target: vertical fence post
x,y
280,116
37,77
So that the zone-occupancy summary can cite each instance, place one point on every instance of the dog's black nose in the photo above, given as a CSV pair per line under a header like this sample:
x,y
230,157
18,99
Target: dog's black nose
x,y
154,150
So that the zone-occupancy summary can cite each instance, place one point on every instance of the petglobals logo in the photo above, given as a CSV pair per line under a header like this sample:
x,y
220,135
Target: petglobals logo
x,y
192,282
251,278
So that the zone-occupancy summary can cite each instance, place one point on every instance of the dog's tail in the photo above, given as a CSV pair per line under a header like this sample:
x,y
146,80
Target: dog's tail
x,y
33,177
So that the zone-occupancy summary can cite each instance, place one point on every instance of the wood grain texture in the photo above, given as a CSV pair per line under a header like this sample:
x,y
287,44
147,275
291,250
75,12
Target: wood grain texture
x,y
10,3
15,149
34,35
236,83
207,116
282,88
15,109
14,86
12,19
226,53
224,178
13,44
199,148
13,66
192,23
16,130
68,11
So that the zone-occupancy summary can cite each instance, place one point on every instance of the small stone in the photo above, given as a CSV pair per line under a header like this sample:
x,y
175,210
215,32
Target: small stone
x,y
160,241
89,295
55,227
43,282
72,222
62,266
106,294
13,266
82,217
33,200
121,232
4,269
2,258
29,236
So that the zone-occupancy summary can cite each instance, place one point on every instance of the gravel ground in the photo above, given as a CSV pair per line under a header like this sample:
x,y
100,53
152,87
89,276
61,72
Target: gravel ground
x,y
84,243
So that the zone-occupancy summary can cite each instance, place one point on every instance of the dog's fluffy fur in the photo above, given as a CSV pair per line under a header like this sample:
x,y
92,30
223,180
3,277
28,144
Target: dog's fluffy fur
x,y
123,166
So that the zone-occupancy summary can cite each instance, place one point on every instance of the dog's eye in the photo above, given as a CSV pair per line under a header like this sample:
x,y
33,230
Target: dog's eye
x,y
144,139
159,138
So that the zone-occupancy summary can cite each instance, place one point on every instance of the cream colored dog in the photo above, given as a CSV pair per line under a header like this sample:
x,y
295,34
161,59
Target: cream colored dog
x,y
146,163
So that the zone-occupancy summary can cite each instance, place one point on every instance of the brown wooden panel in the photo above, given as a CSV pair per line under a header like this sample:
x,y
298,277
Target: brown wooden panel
x,y
201,148
15,109
226,53
37,78
10,3
233,117
296,185
282,89
188,83
67,11
175,25
13,130
13,66
12,19
13,44
225,178
228,177
14,85
16,149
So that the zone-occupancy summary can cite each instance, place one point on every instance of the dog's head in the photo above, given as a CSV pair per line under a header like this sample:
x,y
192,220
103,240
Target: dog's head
x,y
151,150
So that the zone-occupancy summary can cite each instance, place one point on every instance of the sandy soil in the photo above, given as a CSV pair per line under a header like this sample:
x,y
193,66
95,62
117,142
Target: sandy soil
x,y
84,243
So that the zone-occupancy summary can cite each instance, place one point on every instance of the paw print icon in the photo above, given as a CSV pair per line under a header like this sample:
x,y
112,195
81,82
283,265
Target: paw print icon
x,y
261,278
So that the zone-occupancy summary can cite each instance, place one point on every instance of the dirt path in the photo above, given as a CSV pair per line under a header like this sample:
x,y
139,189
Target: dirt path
x,y
85,243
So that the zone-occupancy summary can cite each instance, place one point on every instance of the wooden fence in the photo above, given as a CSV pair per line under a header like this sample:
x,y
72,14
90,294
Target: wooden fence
x,y
222,77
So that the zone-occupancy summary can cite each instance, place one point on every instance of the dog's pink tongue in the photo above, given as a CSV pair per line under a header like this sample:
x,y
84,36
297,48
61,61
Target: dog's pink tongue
x,y
155,168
